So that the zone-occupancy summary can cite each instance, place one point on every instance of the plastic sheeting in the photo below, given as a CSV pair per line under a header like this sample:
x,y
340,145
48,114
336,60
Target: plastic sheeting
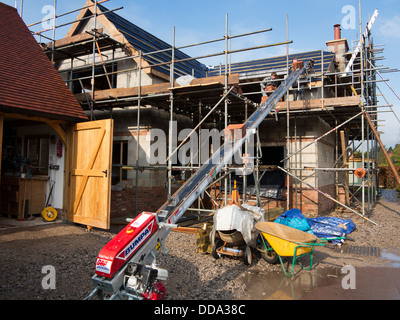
x,y
331,227
294,219
242,219
322,227
184,80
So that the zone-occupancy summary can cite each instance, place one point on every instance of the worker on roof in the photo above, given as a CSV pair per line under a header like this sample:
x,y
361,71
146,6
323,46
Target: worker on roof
x,y
269,85
301,83
297,86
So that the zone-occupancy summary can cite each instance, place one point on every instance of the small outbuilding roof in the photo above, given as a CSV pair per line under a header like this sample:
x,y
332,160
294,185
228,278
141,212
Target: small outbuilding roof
x,y
29,83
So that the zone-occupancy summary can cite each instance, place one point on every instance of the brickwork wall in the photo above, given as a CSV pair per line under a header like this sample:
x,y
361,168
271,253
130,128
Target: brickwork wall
x,y
123,203
325,204
313,203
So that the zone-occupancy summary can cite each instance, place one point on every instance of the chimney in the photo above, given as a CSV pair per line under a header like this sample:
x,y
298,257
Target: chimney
x,y
338,32
339,46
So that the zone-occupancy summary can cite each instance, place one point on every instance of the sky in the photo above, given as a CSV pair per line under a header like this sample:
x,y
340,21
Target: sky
x,y
310,25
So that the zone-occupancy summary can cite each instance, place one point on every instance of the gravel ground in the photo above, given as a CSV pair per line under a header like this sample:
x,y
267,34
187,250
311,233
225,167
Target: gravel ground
x,y
72,251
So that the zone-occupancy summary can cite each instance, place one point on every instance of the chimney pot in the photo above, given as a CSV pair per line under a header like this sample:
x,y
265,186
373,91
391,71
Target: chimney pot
x,y
338,33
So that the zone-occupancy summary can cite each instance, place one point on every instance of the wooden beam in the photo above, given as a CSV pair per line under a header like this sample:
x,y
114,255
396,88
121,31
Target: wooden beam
x,y
30,118
125,92
345,165
1,140
155,88
81,15
317,103
55,124
60,131
186,230
82,37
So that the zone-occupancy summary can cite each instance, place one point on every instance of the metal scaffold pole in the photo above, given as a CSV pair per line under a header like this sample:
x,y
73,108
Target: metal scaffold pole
x,y
288,149
171,117
362,80
328,196
226,102
138,133
54,31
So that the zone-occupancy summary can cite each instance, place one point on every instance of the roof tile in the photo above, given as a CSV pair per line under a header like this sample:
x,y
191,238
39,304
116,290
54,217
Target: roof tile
x,y
29,83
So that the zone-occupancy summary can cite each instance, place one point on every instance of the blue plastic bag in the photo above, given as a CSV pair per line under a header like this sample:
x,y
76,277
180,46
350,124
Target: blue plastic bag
x,y
294,219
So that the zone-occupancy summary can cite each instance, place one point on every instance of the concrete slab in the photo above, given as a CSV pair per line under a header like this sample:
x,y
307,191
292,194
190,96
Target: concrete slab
x,y
12,223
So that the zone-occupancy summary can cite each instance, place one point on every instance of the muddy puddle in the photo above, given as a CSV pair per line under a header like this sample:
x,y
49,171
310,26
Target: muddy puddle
x,y
276,286
330,283
392,256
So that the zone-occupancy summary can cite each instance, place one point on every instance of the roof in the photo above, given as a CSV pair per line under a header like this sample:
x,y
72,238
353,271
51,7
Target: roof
x,y
143,41
29,83
146,42
277,63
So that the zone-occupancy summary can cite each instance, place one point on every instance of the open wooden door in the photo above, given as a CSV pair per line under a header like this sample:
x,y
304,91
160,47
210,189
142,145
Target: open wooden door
x,y
89,180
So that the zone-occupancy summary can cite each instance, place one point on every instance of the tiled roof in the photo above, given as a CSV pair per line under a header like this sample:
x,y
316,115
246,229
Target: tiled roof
x,y
147,43
277,63
29,83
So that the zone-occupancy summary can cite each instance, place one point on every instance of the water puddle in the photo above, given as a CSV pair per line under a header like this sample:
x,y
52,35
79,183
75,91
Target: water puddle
x,y
394,258
378,283
276,286
326,283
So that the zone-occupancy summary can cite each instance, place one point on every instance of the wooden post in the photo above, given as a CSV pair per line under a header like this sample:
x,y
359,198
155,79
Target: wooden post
x,y
345,165
1,140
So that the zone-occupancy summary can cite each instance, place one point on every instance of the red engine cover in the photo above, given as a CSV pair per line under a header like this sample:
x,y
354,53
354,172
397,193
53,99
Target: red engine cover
x,y
124,245
158,292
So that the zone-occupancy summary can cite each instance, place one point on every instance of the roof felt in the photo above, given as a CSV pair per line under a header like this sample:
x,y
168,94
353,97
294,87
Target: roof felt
x,y
147,43
276,63
29,83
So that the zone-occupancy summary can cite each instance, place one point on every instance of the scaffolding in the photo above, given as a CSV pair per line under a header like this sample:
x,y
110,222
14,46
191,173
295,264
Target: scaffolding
x,y
348,102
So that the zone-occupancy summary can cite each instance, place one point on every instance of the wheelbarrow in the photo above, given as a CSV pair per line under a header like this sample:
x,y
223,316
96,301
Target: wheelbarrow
x,y
278,240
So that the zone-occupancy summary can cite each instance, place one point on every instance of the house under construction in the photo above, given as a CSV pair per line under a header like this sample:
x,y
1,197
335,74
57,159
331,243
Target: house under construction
x,y
300,157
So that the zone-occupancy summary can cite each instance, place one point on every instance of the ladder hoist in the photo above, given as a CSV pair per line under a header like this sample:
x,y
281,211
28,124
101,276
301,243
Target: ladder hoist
x,y
126,267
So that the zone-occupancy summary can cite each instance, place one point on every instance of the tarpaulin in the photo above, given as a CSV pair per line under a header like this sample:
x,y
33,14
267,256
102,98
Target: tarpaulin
x,y
331,227
322,227
294,219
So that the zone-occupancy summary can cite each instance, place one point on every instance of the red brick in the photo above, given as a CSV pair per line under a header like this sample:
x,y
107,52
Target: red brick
x,y
123,203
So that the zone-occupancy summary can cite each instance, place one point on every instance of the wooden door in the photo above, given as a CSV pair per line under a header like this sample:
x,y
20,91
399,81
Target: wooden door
x,y
89,182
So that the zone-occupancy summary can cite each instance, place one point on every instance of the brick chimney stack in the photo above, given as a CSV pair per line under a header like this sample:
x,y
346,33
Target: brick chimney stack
x,y
339,46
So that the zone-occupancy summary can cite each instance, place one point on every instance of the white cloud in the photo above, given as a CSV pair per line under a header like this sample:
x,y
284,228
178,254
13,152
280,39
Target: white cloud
x,y
136,13
390,28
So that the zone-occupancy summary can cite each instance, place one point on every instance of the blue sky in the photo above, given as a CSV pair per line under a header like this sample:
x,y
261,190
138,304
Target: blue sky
x,y
310,26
